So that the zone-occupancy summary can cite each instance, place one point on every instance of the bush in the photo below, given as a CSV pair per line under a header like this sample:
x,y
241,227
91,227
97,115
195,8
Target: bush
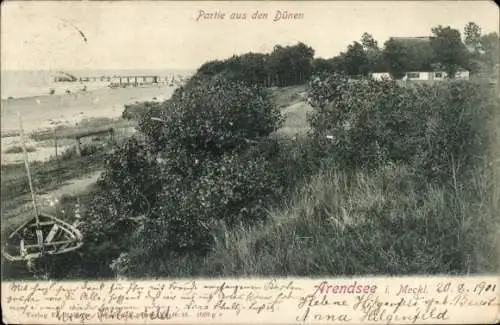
x,y
231,189
167,190
213,115
137,111
368,123
130,171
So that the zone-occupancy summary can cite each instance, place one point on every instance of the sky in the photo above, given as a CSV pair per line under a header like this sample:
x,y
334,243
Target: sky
x,y
45,35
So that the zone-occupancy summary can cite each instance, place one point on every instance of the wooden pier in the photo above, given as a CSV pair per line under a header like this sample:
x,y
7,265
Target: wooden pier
x,y
128,80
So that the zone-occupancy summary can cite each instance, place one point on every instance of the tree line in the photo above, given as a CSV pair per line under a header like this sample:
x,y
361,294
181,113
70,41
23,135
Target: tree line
x,y
284,66
444,50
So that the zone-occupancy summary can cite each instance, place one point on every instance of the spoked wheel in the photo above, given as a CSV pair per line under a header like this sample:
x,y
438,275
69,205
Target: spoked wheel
x,y
41,236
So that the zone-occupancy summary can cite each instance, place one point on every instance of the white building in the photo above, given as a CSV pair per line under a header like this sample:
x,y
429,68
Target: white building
x,y
424,75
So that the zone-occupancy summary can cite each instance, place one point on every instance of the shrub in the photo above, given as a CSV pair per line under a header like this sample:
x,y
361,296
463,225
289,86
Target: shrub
x,y
231,189
166,190
368,123
138,110
198,201
213,115
130,171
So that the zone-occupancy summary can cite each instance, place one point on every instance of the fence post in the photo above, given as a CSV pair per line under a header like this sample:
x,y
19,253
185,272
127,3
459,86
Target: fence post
x,y
112,134
55,141
78,147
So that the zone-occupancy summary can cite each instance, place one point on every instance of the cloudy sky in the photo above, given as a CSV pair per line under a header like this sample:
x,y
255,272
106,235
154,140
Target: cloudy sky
x,y
166,34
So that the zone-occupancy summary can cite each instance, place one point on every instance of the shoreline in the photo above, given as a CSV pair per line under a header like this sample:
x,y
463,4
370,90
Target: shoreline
x,y
18,84
44,116
79,88
42,113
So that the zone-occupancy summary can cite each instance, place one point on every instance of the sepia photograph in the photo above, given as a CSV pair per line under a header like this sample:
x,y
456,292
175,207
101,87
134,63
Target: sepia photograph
x,y
318,139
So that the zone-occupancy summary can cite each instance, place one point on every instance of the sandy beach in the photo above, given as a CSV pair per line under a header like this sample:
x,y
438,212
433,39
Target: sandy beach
x,y
46,112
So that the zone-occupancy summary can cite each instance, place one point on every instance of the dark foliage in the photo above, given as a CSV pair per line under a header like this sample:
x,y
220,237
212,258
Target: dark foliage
x,y
369,123
213,116
138,110
166,190
284,66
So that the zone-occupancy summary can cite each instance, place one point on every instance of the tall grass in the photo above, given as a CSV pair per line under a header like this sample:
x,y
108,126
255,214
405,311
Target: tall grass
x,y
344,223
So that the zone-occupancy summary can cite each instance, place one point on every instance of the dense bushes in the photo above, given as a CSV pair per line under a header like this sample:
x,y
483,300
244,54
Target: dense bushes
x,y
138,110
230,189
368,123
167,189
214,116
284,66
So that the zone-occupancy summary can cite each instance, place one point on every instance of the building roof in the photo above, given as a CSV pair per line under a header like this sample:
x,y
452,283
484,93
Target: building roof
x,y
412,38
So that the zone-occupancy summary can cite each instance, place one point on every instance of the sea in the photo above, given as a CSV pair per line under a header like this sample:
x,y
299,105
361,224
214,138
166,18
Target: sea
x,y
43,103
31,83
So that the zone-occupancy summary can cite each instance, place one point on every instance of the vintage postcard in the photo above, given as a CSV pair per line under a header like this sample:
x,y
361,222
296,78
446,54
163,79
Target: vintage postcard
x,y
250,162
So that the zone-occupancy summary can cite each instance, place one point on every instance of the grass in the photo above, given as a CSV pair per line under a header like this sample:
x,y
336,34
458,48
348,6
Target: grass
x,y
46,176
343,223
86,125
57,171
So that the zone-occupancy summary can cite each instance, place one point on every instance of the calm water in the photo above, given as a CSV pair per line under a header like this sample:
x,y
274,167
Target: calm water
x,y
18,84
29,92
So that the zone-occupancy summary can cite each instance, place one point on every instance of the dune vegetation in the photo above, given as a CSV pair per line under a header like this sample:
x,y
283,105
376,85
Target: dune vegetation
x,y
241,174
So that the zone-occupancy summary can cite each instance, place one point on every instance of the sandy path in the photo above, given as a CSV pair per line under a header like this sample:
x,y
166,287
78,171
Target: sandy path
x,y
72,186
295,118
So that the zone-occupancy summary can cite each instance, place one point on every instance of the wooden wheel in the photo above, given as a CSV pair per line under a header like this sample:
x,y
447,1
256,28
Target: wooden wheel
x,y
45,236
